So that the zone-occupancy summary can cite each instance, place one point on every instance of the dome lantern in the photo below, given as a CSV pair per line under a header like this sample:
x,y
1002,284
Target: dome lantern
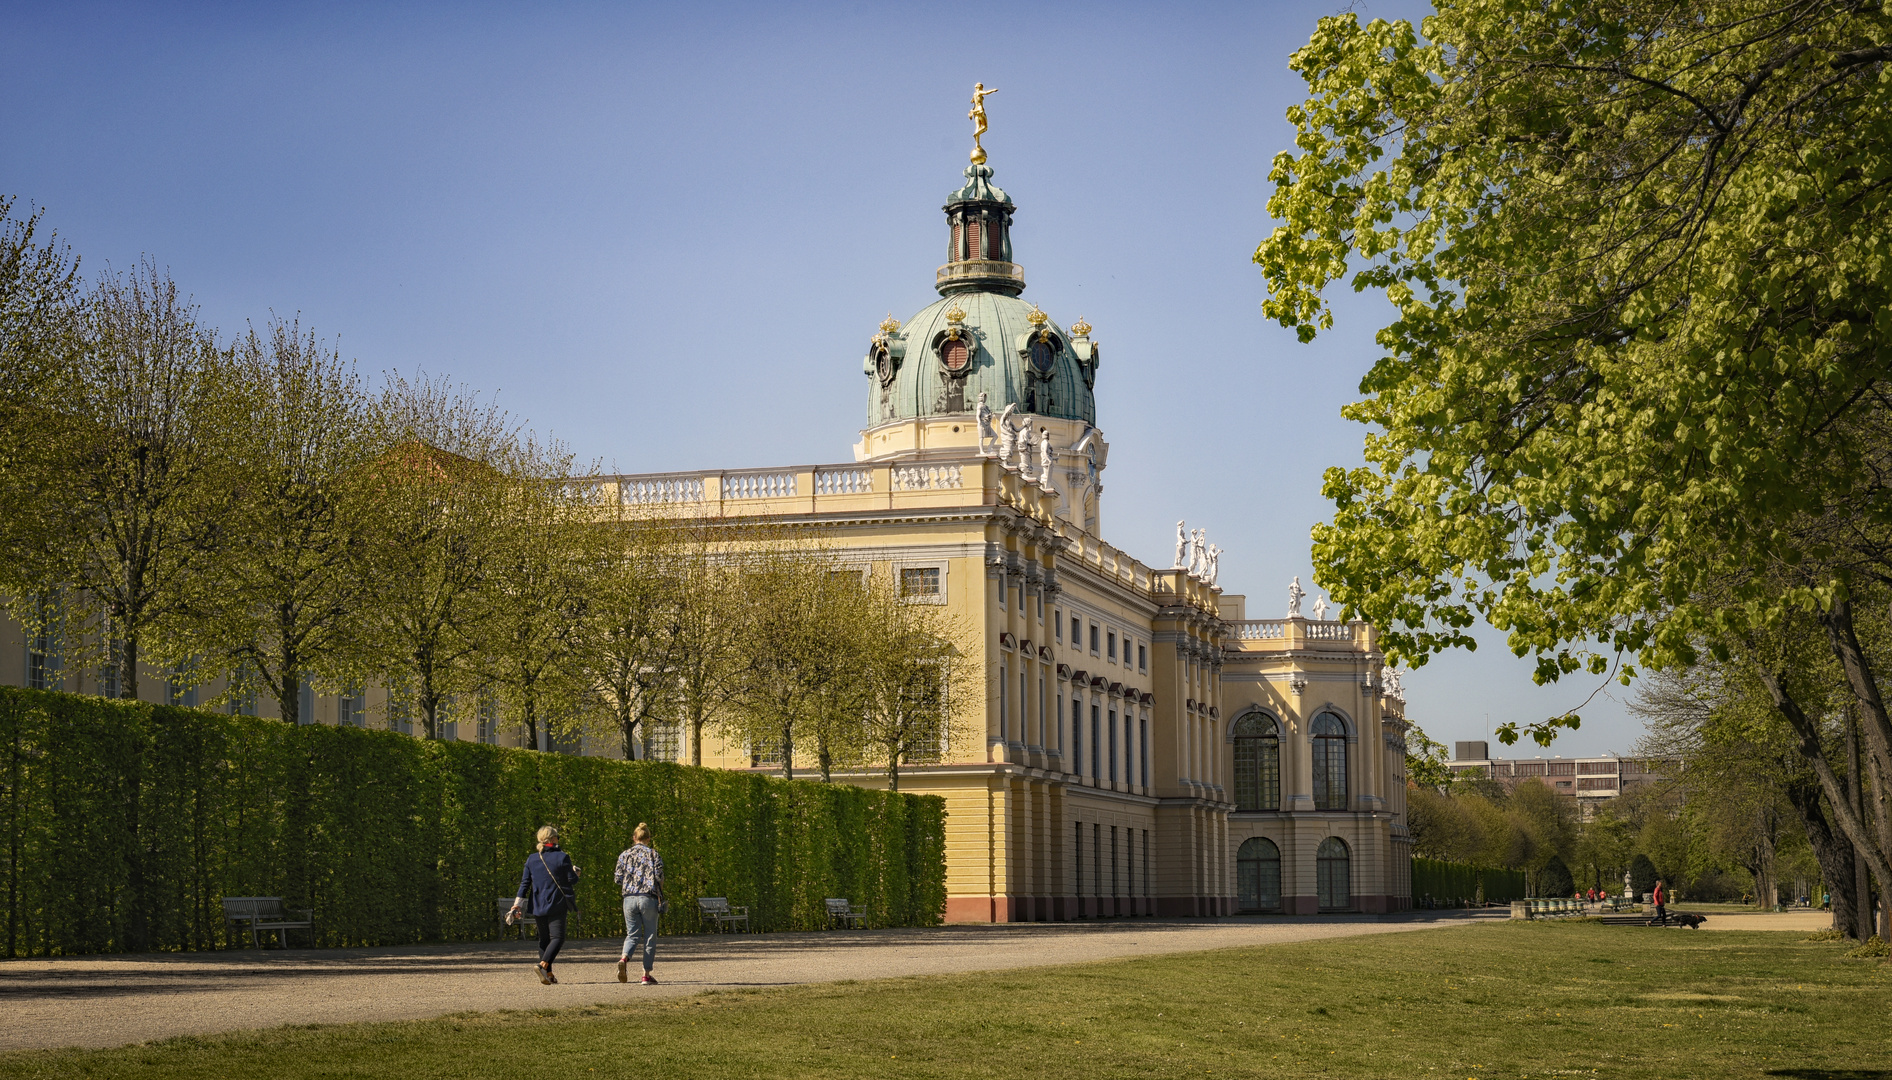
x,y
979,254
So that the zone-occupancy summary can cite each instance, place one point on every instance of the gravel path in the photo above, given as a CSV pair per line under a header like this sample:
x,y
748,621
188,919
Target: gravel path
x,y
95,1002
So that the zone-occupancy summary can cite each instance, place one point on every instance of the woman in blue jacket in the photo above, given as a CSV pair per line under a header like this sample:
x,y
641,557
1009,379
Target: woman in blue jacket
x,y
550,883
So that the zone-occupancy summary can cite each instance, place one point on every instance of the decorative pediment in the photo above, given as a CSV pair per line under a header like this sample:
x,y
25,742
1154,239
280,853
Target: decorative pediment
x,y
1006,639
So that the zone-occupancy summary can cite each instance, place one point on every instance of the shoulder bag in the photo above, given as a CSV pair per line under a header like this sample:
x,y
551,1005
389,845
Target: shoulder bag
x,y
571,901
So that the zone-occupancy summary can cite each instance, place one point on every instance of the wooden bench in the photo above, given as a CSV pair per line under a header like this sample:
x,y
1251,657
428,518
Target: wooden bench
x,y
264,913
525,916
847,914
716,911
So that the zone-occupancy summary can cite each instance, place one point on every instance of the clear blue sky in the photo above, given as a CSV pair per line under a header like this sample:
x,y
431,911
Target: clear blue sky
x,y
664,233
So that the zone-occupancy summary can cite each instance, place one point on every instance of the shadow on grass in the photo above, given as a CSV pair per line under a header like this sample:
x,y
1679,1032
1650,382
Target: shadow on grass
x,y
1832,1074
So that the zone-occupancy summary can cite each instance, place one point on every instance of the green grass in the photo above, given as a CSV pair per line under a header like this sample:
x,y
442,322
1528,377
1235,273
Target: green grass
x,y
1497,1000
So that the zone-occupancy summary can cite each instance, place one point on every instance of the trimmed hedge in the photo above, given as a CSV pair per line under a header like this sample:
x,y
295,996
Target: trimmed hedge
x,y
1440,879
124,824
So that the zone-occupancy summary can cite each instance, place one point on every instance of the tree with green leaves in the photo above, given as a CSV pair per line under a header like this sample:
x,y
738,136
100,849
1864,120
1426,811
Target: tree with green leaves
x,y
441,487
625,646
547,566
908,657
139,489
289,593
40,294
1634,402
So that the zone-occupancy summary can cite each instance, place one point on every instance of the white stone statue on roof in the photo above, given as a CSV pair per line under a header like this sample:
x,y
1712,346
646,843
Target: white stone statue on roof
x,y
988,438
1215,563
1393,687
1295,592
1320,608
1044,458
1182,548
1197,553
1008,435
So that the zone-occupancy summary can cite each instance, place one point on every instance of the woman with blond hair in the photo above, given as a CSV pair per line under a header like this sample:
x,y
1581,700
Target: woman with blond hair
x,y
640,874
550,882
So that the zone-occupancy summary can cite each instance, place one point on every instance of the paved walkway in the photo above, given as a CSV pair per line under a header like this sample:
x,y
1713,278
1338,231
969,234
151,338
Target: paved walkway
x,y
96,1002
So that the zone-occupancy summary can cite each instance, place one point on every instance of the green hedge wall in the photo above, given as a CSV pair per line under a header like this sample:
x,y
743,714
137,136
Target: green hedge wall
x,y
124,824
1440,879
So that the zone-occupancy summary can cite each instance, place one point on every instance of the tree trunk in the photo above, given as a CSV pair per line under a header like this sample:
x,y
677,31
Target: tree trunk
x,y
696,733
529,715
1862,876
788,753
1813,750
824,758
893,768
1835,855
128,671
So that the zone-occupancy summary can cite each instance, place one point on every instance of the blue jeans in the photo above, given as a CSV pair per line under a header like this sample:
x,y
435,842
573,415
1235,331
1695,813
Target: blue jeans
x,y
640,924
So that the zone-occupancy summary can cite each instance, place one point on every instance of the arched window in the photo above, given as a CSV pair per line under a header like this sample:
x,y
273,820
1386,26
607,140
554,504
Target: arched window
x,y
1333,878
1257,763
1258,875
1330,762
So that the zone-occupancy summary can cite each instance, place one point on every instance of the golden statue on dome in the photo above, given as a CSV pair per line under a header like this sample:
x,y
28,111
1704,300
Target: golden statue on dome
x,y
977,116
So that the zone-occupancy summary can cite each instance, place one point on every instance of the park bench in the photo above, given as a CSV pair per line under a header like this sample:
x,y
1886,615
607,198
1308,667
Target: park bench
x,y
847,914
716,911
265,913
525,916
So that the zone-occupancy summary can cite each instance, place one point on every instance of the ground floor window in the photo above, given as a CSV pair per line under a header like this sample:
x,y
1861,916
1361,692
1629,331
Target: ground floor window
x,y
1333,876
1258,875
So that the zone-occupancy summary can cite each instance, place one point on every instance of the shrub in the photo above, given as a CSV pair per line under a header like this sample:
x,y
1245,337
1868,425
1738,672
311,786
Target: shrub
x,y
1555,879
123,824
1642,874
1873,948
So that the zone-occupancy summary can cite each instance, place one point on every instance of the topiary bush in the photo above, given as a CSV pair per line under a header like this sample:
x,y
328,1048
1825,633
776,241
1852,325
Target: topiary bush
x,y
1642,875
124,824
1555,879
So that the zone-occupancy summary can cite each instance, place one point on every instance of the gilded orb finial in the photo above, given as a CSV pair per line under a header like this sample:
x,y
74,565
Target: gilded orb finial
x,y
977,116
955,314
1037,317
1080,328
889,324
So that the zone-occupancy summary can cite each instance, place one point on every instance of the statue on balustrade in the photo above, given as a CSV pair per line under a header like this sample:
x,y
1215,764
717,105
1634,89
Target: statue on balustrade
x,y
988,438
1295,592
1182,548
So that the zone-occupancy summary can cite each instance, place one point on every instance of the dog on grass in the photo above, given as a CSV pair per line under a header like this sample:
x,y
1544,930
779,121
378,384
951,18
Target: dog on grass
x,y
1682,918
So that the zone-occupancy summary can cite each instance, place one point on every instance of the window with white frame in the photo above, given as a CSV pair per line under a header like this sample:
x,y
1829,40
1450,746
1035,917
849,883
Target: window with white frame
x,y
927,584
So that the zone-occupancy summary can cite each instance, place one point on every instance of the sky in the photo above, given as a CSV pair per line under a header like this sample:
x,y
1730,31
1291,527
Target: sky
x,y
664,233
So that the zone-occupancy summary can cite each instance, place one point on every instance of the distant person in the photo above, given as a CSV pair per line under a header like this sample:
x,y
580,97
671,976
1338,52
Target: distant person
x,y
640,874
1660,897
550,882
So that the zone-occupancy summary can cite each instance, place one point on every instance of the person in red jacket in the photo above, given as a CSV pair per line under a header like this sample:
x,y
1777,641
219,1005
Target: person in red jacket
x,y
1661,898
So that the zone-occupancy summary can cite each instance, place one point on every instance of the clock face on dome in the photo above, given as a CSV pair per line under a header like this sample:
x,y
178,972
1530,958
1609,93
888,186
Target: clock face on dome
x,y
955,354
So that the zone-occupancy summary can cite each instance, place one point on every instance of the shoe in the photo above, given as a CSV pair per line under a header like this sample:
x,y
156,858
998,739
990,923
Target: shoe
x,y
624,967
544,973
648,980
551,978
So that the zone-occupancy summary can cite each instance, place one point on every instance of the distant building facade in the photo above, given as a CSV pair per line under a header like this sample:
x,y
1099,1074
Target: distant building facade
x,y
1592,781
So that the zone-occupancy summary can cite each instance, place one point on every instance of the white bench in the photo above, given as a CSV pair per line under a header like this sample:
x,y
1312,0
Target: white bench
x,y
716,911
847,914
525,916
265,913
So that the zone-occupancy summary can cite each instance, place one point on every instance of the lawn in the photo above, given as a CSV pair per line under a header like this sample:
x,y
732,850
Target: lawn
x,y
1497,1000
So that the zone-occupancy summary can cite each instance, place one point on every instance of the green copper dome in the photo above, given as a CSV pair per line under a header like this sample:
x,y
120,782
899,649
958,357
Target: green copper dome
x,y
979,337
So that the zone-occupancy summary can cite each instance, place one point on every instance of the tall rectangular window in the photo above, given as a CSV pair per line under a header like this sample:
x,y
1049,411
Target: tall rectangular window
x,y
1096,722
1113,746
1146,862
1130,861
1077,634
305,703
351,709
1093,637
1041,713
1112,651
1143,749
1097,860
180,687
44,654
1077,859
489,720
1057,623
1004,693
1116,883
1077,735
1041,609
1143,658
1024,707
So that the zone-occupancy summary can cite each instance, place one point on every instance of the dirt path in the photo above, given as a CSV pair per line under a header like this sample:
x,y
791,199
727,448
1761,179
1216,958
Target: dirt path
x,y
112,1001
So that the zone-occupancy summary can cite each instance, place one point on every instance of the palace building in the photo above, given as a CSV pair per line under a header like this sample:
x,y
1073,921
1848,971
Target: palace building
x,y
1140,745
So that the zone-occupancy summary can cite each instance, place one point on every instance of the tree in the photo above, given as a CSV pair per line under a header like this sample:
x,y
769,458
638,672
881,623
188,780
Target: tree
x,y
708,627
39,351
626,643
1635,400
138,495
907,660
288,591
1642,874
549,563
1426,761
442,486
1554,879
